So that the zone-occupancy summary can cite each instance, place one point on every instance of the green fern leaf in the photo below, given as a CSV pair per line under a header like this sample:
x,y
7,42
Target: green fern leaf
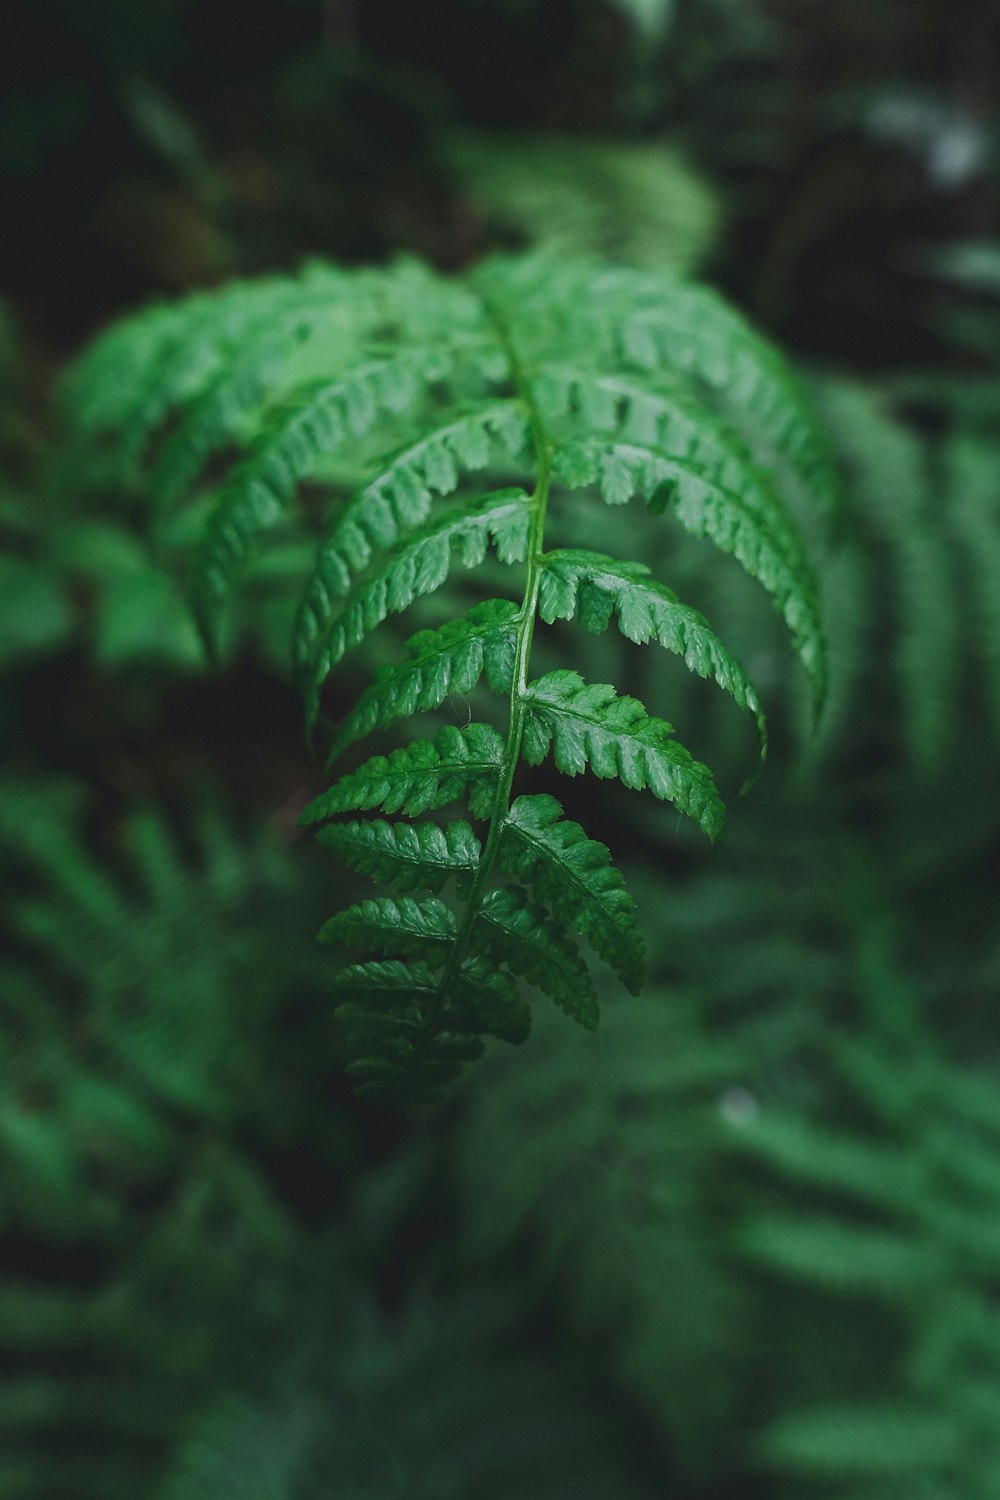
x,y
391,984
973,483
248,372
450,659
664,415
411,1036
660,323
405,856
605,1192
398,1056
396,503
841,1258
880,1441
216,415
757,534
636,202
573,875
519,933
218,347
595,587
482,1001
696,332
589,725
863,1170
485,999
888,464
320,422
419,567
420,776
110,384
425,929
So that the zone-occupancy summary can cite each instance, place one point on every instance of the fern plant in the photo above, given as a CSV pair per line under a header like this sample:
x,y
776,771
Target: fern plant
x,y
614,1188
468,1413
885,1204
521,394
638,202
148,970
127,1016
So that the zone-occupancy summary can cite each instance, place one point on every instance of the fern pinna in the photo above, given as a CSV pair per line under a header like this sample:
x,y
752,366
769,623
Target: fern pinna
x,y
451,419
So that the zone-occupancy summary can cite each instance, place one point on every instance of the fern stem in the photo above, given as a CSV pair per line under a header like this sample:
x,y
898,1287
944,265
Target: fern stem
x,y
527,614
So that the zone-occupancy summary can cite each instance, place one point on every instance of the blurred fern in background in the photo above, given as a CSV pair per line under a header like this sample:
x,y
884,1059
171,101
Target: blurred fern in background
x,y
637,203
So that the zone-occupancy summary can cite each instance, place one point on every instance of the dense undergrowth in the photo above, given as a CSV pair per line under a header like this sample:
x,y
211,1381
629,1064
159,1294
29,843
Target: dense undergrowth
x,y
742,1237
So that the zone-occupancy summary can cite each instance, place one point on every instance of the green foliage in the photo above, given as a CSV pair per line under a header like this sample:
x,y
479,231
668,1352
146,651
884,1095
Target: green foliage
x,y
776,1149
742,1241
560,386
438,663
406,855
422,776
918,566
594,588
904,1233
575,877
157,931
34,615
636,202
590,726
611,1181
141,985
468,1413
652,18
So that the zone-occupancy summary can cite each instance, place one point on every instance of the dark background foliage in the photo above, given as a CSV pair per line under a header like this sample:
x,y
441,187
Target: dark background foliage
x,y
743,1240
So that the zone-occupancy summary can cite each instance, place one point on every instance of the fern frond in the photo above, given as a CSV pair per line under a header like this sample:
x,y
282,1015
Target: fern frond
x,y
221,348
972,490
663,414
419,777
405,927
876,1197
588,725
525,380
179,938
594,588
471,1411
889,473
486,999
216,414
324,313
409,1036
897,1444
450,659
405,856
519,933
743,523
109,384
388,997
574,876
635,202
840,1258
844,1164
605,1189
318,424
696,332
397,502
238,391
419,567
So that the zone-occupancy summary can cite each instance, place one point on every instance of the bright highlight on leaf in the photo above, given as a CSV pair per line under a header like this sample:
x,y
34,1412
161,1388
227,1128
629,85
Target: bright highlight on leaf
x,y
436,419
